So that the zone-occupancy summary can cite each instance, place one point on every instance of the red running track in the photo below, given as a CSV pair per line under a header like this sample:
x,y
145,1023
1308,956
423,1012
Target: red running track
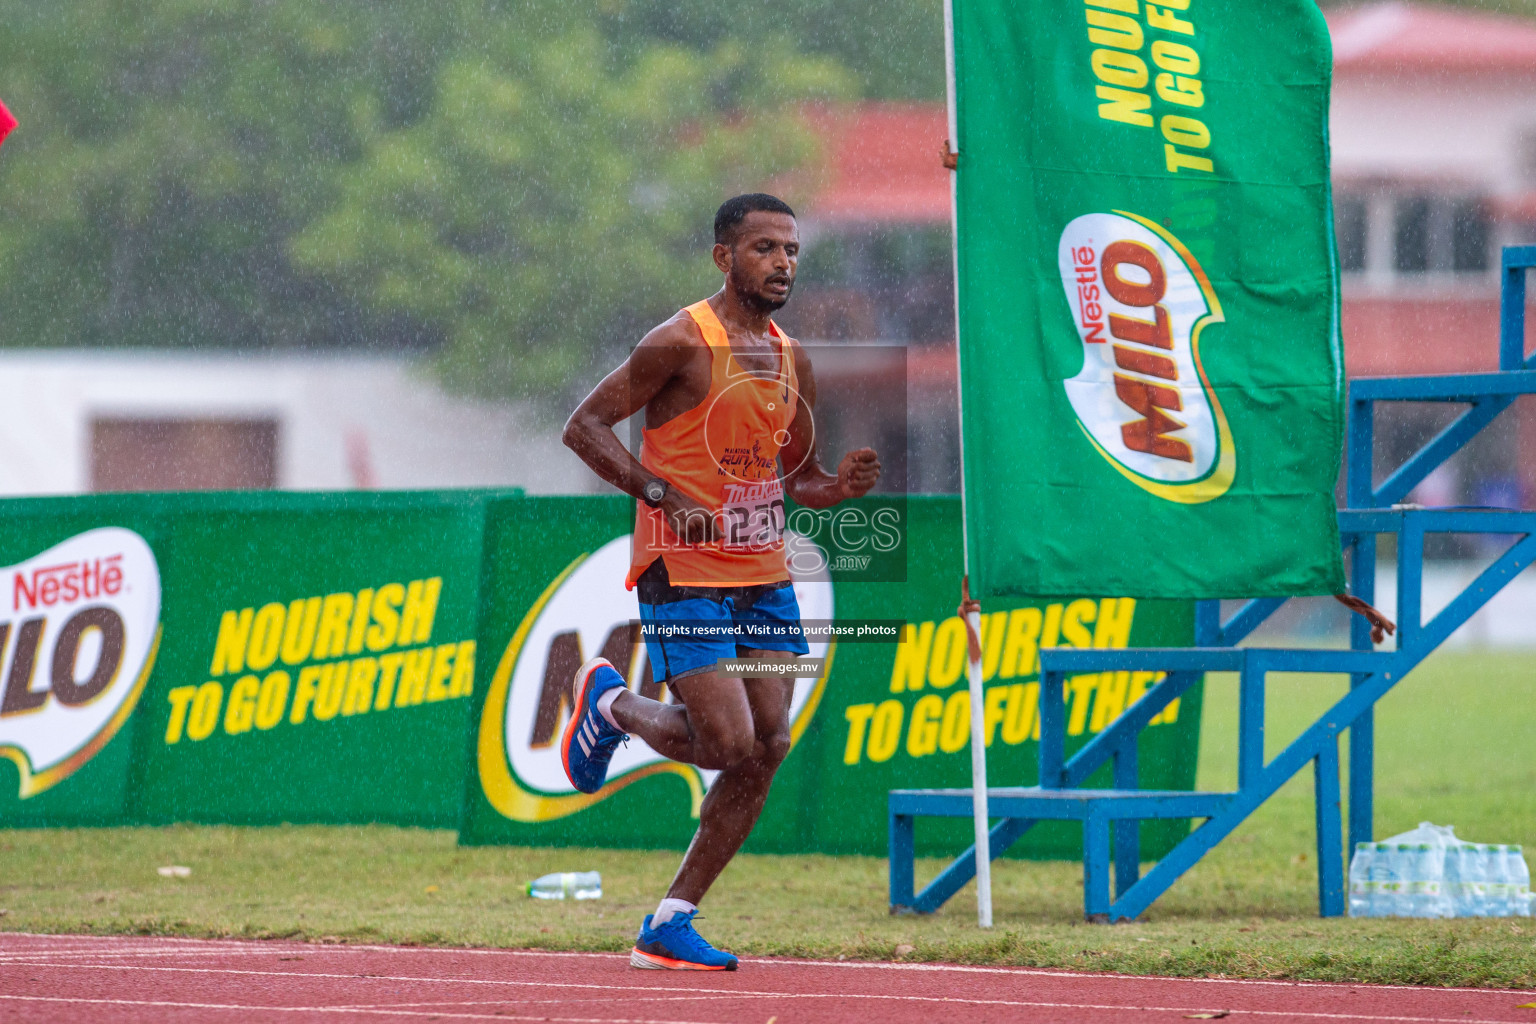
x,y
71,979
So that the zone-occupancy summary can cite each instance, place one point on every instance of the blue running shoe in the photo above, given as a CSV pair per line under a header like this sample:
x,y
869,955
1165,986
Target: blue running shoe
x,y
589,741
675,946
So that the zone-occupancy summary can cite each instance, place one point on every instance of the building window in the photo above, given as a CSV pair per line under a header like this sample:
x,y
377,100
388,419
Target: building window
x,y
1349,224
1469,236
134,454
1410,234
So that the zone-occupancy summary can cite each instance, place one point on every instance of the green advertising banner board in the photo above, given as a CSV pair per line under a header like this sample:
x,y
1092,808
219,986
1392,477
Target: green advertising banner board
x,y
883,715
1148,297
263,658
247,658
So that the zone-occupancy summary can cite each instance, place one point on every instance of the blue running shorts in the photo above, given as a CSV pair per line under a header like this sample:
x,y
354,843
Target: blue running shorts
x,y
689,630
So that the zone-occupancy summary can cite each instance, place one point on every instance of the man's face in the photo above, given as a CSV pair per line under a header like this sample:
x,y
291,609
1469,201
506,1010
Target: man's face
x,y
761,262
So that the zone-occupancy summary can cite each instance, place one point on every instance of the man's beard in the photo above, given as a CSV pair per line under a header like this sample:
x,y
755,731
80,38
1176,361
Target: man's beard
x,y
768,303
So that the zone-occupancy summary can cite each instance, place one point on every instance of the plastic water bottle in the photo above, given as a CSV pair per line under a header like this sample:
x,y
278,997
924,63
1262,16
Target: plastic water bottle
x,y
1424,874
1520,880
1362,885
1478,880
1388,872
565,885
1387,881
1500,885
1455,888
1435,901
1493,884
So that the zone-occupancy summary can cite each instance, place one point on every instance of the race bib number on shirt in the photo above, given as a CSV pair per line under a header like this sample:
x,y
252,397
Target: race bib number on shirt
x,y
752,517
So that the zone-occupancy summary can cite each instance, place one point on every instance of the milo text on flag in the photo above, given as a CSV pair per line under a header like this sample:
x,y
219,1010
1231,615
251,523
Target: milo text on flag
x,y
1148,295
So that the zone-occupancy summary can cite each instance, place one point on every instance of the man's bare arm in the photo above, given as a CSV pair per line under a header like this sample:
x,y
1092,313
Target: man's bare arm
x,y
805,479
656,361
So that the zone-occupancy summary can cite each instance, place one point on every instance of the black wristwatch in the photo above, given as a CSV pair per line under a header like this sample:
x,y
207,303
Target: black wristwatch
x,y
654,492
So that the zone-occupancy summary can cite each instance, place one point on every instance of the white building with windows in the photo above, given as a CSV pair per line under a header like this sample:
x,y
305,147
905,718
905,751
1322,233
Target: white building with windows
x,y
78,421
1434,171
1434,147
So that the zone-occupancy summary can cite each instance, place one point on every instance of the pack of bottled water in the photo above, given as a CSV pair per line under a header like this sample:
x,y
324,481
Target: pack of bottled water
x,y
1429,872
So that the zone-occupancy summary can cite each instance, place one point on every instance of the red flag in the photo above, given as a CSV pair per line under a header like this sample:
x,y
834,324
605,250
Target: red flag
x,y
7,122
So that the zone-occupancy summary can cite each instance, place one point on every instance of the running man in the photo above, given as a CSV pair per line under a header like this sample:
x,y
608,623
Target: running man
x,y
728,401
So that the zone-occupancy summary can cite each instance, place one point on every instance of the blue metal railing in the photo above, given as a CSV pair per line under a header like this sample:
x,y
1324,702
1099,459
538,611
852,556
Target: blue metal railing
x,y
1111,817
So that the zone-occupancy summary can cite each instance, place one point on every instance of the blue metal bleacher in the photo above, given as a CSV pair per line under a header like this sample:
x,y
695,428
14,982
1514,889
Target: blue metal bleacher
x,y
1111,817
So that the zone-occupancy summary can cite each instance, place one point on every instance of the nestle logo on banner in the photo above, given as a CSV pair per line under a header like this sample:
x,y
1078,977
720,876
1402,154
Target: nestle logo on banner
x,y
71,582
75,651
1085,267
1140,302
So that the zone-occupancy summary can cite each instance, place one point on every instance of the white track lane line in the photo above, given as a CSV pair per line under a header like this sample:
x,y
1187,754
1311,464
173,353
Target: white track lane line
x,y
317,948
170,1004
259,1008
523,1001
1107,976
159,951
760,994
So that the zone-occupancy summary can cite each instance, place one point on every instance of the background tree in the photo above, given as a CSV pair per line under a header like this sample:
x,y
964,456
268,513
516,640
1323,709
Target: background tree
x,y
518,186
511,184
169,148
556,201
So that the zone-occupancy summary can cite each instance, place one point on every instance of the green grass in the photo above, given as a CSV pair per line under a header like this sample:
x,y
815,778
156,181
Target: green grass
x,y
1450,749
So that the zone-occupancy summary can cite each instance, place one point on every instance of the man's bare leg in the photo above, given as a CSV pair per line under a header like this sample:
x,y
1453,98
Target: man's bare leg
x,y
736,798
738,727
711,727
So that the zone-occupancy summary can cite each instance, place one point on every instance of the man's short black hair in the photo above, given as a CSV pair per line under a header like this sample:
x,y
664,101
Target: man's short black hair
x,y
735,209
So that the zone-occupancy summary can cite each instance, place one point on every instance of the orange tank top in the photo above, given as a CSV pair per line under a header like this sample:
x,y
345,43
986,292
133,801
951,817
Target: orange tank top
x,y
723,453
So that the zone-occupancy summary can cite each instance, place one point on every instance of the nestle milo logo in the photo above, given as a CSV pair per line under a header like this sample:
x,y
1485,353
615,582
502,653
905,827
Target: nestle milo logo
x,y
1140,301
76,649
583,612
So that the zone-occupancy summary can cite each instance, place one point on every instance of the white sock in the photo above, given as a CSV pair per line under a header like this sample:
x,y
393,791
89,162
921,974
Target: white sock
x,y
669,908
605,706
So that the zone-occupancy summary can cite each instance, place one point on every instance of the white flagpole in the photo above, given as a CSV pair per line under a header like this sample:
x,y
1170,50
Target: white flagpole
x,y
973,619
979,774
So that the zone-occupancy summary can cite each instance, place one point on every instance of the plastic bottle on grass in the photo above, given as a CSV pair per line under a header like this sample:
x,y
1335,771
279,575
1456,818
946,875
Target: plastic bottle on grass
x,y
1423,882
1474,878
1492,871
1455,887
1513,889
1362,886
567,885
1478,879
1520,880
1388,872
1410,897
1500,885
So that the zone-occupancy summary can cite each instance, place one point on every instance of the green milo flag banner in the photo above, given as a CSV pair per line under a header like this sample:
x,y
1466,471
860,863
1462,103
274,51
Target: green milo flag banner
x,y
1150,358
